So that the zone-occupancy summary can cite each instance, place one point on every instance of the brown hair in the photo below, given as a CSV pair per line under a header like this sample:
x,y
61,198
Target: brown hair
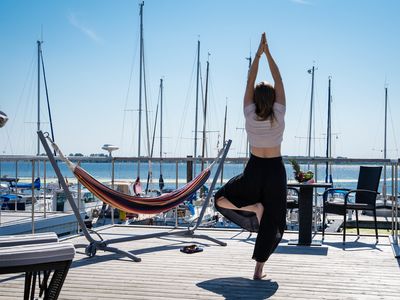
x,y
264,99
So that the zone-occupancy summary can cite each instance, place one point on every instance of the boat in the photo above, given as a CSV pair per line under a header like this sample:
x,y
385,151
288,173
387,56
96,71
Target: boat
x,y
20,185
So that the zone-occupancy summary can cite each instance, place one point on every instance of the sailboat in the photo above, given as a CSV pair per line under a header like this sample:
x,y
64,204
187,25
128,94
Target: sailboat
x,y
35,183
197,107
137,187
382,200
149,174
310,125
161,179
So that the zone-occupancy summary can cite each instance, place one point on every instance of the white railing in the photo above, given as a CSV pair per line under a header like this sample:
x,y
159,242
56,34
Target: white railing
x,y
389,186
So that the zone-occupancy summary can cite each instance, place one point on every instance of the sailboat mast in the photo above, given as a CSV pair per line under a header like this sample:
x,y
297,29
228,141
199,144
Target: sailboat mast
x,y
197,105
247,139
224,137
39,49
205,117
47,97
311,111
385,150
385,130
140,83
161,121
328,132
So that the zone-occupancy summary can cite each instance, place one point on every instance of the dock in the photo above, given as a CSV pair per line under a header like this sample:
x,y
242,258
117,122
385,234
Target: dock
x,y
20,222
360,269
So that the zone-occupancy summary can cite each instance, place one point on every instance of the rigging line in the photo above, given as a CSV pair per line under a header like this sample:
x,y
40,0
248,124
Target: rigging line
x,y
216,113
155,125
30,111
378,128
314,119
203,106
204,144
9,142
336,127
300,123
28,79
318,122
211,96
150,173
129,85
146,106
393,128
183,119
201,89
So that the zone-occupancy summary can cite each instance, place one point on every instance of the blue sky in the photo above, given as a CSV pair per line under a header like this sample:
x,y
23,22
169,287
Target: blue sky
x,y
91,54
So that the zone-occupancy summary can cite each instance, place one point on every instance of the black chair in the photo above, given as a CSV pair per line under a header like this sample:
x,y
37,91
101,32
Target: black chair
x,y
292,198
365,198
292,202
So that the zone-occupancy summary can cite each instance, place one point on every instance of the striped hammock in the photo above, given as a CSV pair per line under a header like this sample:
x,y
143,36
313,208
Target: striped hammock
x,y
133,203
138,204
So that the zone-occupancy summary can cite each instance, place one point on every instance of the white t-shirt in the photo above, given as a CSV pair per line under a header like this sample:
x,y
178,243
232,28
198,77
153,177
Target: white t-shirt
x,y
267,133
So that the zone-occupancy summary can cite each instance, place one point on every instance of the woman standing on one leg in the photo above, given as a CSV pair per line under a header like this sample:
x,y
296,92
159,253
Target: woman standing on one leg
x,y
256,199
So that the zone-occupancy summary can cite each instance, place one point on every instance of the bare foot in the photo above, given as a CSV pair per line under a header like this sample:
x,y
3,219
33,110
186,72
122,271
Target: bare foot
x,y
258,271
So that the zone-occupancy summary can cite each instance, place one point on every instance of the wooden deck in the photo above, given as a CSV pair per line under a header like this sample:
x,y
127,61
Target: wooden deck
x,y
360,270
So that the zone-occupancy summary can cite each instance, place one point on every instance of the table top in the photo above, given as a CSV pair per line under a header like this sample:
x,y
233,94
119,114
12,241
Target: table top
x,y
310,184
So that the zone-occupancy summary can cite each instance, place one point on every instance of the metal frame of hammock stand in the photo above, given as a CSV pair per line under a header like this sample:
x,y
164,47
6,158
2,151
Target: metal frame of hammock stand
x,y
94,245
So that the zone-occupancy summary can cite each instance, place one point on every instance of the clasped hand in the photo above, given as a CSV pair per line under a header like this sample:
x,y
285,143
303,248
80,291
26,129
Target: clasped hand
x,y
263,47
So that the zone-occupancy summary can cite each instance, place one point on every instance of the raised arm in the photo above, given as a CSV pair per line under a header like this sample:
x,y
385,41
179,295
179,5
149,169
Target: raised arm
x,y
251,78
276,75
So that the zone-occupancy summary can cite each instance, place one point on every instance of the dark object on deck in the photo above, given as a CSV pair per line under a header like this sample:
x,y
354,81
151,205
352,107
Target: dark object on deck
x,y
191,249
365,198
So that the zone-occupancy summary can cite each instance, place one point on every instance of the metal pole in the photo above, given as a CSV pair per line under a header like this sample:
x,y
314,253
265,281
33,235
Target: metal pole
x,y
16,178
140,84
396,203
328,132
222,156
315,198
112,186
197,107
393,195
384,151
44,191
311,71
33,197
223,138
205,118
38,95
79,201
176,186
176,173
64,186
2,204
161,122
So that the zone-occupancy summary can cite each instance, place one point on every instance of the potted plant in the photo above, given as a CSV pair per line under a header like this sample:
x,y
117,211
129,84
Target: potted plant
x,y
299,175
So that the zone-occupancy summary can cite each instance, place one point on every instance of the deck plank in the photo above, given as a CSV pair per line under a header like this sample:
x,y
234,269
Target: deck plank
x,y
360,270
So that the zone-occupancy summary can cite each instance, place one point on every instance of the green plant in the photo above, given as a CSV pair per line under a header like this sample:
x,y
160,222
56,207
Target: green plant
x,y
299,175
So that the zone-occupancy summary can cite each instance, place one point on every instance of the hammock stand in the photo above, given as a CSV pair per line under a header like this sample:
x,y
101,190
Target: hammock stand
x,y
94,244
